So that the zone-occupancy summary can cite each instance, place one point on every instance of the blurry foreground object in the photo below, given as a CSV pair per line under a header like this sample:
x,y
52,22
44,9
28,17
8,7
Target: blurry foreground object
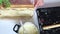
x,y
16,12
37,3
28,28
4,3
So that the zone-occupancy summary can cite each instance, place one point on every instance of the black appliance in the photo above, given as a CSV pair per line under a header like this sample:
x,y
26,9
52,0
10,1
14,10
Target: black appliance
x,y
49,16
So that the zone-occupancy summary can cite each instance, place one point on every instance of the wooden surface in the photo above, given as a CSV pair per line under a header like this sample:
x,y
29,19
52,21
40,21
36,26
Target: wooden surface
x,y
51,26
22,6
19,6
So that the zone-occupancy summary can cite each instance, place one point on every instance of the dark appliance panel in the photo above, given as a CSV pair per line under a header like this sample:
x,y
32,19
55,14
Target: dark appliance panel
x,y
49,16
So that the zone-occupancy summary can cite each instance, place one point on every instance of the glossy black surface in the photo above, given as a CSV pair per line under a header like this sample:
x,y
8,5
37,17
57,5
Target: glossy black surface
x,y
49,16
